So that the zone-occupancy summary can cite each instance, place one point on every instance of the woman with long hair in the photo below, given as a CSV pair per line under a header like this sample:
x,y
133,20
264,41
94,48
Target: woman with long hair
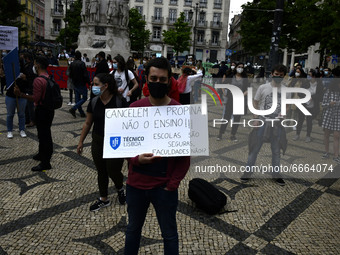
x,y
106,96
239,79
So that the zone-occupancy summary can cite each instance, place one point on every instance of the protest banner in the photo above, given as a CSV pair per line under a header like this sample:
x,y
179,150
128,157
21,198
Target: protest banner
x,y
59,74
8,38
167,131
11,67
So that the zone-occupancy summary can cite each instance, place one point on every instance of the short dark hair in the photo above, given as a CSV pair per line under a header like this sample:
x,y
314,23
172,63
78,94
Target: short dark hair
x,y
77,55
280,68
42,61
161,63
101,54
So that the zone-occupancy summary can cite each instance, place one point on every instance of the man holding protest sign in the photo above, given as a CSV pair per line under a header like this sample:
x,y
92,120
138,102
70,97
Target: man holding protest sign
x,y
154,179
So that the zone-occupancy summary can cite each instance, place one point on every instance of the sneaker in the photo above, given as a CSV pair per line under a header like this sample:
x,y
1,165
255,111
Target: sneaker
x,y
73,104
233,138
296,137
23,134
9,135
337,160
280,181
99,204
121,196
325,155
69,103
41,167
73,112
308,139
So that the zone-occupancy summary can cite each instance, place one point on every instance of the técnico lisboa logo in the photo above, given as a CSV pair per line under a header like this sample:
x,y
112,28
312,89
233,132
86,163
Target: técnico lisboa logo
x,y
115,142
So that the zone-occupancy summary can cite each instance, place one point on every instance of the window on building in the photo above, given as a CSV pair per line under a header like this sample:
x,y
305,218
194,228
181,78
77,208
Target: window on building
x,y
158,1
218,4
139,0
32,25
217,18
156,35
200,36
186,16
140,9
201,18
26,3
215,37
32,8
158,14
203,3
58,6
187,2
172,15
173,2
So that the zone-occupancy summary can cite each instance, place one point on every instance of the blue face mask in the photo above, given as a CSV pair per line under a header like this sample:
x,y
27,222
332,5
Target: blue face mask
x,y
325,72
96,90
115,66
309,77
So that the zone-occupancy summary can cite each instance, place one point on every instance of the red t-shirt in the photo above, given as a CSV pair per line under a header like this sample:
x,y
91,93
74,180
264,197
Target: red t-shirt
x,y
39,89
169,171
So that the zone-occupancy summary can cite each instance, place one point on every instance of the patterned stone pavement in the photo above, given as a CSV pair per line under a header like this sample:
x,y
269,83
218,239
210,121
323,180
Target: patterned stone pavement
x,y
48,212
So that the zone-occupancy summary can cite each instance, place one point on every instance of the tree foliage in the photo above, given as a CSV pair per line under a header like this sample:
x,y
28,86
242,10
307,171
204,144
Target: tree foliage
x,y
178,37
9,13
72,30
305,23
139,35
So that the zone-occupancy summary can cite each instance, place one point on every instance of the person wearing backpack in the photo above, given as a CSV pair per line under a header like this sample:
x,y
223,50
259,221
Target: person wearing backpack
x,y
123,77
106,96
44,113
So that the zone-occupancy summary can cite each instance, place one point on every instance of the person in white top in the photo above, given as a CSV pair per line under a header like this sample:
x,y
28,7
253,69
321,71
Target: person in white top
x,y
185,82
123,77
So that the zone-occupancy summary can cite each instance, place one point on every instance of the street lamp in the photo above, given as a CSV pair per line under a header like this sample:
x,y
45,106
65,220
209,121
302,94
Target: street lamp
x,y
191,13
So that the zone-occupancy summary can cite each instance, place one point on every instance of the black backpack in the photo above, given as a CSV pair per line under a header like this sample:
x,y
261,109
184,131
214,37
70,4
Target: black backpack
x,y
206,196
53,98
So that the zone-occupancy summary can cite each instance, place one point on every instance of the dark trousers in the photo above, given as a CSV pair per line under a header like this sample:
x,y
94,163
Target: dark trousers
x,y
227,116
43,119
165,204
301,119
106,168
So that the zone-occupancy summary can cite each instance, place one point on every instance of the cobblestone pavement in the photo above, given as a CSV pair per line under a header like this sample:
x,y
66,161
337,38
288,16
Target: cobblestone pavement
x,y
48,212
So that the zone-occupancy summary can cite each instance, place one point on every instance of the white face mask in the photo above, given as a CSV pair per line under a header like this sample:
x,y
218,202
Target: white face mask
x,y
232,67
297,74
239,70
144,61
34,70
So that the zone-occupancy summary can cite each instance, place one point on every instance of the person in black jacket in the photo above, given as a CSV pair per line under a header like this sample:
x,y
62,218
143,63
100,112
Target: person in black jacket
x,y
79,76
102,66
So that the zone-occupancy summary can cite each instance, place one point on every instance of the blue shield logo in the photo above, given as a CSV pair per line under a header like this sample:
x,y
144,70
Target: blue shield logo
x,y
115,142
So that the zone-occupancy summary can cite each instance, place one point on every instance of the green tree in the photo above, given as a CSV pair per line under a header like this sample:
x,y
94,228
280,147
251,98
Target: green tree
x,y
305,23
72,30
9,13
139,35
178,37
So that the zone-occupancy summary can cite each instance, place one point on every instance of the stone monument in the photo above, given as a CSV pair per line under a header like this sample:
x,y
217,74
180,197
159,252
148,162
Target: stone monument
x,y
104,27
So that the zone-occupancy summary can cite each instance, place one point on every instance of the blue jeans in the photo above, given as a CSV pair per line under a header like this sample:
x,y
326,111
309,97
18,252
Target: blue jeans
x,y
275,148
11,104
165,204
80,97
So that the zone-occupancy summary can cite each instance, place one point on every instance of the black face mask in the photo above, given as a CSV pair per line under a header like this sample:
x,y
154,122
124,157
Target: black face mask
x,y
157,89
278,79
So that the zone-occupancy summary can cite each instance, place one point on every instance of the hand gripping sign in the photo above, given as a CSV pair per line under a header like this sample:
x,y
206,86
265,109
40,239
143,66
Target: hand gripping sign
x,y
167,131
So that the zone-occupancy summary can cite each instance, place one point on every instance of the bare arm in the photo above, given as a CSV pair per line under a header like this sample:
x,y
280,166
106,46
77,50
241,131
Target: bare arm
x,y
86,129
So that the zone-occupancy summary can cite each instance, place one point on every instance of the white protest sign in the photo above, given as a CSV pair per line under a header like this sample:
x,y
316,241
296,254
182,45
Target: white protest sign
x,y
167,131
8,38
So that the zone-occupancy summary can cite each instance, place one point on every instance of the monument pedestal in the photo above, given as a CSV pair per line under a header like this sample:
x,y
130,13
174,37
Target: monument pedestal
x,y
104,28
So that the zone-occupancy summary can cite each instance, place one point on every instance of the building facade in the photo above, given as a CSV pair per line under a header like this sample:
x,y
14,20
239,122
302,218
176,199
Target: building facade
x,y
28,18
209,18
